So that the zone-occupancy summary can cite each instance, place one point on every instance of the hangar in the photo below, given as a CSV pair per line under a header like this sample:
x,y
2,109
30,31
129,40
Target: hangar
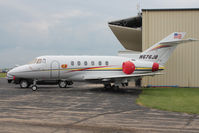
x,y
141,32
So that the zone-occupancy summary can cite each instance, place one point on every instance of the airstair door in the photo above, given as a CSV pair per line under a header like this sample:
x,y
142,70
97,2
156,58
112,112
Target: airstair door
x,y
54,70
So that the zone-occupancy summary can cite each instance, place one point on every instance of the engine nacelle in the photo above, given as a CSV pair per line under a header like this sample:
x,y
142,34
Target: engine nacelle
x,y
128,67
155,67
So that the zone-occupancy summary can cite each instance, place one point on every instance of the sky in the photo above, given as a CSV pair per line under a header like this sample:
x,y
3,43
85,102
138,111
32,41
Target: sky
x,y
31,28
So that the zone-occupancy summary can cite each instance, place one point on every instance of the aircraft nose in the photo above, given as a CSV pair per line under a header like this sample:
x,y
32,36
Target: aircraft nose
x,y
17,71
11,74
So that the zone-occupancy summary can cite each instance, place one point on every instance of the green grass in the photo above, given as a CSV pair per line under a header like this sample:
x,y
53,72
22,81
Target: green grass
x,y
2,75
171,99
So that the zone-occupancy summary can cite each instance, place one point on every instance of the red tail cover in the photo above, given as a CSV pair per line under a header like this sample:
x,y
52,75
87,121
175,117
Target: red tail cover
x,y
128,67
155,67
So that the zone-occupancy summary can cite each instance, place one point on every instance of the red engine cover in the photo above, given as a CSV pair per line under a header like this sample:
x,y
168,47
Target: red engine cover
x,y
155,67
128,67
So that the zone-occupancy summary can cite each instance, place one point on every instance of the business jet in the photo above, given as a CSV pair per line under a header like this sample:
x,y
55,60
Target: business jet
x,y
112,71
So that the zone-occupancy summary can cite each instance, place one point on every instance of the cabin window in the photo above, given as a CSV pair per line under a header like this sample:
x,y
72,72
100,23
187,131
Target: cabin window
x,y
39,61
85,63
106,62
100,63
44,61
72,63
78,63
92,63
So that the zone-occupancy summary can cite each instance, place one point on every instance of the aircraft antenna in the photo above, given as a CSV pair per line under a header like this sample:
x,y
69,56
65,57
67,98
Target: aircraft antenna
x,y
138,9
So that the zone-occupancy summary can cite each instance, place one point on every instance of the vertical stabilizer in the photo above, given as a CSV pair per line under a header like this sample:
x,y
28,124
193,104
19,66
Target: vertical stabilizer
x,y
161,51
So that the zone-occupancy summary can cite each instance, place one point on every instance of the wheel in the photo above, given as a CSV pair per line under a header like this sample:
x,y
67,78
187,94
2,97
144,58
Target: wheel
x,y
70,82
34,87
107,86
116,87
62,84
24,84
125,84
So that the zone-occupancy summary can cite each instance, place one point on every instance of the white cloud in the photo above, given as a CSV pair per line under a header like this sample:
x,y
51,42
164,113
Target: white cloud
x,y
71,14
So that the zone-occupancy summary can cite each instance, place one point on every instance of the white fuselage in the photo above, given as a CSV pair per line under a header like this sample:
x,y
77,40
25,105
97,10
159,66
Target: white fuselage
x,y
77,68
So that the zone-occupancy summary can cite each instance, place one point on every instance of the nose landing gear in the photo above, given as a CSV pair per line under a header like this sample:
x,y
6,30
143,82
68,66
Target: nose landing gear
x,y
34,86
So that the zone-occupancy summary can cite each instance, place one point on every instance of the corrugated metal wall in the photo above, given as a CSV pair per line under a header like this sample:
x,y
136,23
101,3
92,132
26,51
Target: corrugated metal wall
x,y
182,67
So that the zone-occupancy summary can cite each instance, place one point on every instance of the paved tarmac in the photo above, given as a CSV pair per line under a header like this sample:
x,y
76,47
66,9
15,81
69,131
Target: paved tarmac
x,y
84,108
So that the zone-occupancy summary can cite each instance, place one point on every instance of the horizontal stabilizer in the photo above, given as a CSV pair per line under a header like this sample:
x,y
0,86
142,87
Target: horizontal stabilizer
x,y
179,41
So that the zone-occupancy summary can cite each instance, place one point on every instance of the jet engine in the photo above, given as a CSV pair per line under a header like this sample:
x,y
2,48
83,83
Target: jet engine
x,y
128,67
155,67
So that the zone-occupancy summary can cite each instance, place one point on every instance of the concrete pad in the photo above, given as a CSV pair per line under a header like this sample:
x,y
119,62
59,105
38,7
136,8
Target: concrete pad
x,y
84,108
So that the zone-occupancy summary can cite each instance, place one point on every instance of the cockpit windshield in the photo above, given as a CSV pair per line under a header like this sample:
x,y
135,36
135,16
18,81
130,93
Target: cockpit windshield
x,y
38,61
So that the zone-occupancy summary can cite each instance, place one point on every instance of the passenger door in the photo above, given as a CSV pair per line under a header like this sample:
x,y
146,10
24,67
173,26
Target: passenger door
x,y
55,70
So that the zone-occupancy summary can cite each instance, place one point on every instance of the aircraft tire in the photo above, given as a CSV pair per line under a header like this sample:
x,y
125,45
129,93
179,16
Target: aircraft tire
x,y
116,88
70,82
24,84
34,87
62,84
107,86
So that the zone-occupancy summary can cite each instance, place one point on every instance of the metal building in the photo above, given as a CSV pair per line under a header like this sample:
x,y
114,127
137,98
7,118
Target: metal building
x,y
155,24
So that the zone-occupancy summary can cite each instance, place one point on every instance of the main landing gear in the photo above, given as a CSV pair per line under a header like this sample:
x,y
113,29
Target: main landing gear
x,y
111,87
115,86
64,83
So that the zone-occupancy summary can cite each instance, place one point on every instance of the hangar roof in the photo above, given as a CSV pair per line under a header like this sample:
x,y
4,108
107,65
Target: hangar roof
x,y
129,32
172,9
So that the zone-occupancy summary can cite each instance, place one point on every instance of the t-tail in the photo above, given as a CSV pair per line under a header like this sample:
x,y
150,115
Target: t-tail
x,y
161,51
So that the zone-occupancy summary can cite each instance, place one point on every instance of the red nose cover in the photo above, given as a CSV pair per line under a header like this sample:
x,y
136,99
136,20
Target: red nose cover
x,y
128,67
155,67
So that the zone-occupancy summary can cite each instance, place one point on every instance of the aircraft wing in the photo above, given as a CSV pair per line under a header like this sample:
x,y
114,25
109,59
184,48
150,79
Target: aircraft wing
x,y
120,76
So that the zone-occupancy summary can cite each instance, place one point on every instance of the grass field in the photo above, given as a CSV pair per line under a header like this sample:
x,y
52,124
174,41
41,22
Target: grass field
x,y
171,99
2,75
